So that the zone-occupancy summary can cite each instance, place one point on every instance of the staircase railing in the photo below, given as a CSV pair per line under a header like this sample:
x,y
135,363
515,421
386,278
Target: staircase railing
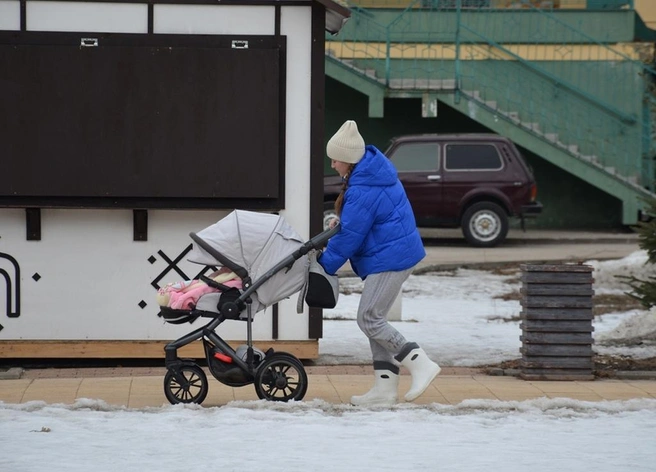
x,y
366,48
633,66
429,42
557,113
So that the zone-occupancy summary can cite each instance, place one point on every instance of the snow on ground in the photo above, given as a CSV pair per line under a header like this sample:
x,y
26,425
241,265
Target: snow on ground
x,y
459,319
540,435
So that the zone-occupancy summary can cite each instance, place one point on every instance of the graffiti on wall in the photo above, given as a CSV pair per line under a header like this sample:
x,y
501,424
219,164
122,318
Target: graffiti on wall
x,y
12,283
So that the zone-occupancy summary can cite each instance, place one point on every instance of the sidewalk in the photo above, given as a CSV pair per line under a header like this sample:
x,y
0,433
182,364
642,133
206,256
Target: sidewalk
x,y
143,387
147,390
446,249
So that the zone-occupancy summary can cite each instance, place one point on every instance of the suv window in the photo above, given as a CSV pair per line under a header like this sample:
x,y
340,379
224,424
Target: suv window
x,y
413,157
472,157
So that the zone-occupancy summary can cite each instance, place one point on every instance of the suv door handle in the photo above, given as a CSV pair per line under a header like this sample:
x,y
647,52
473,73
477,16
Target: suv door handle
x,y
434,177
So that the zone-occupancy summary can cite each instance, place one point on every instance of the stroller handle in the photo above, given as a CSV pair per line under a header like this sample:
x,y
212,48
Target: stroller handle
x,y
319,241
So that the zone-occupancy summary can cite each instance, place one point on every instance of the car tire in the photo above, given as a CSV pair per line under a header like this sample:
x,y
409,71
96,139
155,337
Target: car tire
x,y
485,224
328,214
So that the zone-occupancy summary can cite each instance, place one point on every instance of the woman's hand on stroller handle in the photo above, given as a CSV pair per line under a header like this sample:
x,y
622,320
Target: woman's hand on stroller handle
x,y
320,240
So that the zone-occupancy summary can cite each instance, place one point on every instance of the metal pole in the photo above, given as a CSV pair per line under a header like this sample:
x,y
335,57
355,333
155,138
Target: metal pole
x,y
458,72
387,55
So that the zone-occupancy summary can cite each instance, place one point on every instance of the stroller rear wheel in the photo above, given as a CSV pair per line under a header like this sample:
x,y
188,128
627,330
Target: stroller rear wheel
x,y
281,377
188,386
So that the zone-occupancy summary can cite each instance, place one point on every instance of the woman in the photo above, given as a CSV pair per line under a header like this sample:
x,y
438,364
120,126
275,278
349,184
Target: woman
x,y
379,237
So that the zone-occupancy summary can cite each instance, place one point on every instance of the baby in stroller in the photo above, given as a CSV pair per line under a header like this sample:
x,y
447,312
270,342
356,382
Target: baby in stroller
x,y
185,295
261,260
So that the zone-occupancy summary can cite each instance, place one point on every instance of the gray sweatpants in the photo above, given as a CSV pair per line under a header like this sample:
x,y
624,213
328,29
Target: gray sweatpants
x,y
378,295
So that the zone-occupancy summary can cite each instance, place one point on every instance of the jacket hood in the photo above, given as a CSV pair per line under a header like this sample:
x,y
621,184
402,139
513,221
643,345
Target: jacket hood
x,y
373,170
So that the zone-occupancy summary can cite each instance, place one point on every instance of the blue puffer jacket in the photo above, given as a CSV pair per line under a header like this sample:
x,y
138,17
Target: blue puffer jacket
x,y
379,233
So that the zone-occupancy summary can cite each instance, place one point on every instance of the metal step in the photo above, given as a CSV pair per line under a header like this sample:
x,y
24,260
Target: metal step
x,y
422,84
492,104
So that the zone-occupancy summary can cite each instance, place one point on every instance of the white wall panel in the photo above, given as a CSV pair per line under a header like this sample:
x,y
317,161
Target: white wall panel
x,y
10,15
92,275
213,19
296,24
92,17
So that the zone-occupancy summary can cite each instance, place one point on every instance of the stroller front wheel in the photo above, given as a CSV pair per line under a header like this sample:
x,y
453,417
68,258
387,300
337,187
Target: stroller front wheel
x,y
281,377
187,385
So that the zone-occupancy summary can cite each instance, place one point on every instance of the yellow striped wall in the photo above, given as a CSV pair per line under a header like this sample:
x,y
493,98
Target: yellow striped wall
x,y
531,52
647,11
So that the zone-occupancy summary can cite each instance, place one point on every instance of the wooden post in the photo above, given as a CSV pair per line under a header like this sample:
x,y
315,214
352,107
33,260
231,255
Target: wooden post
x,y
556,322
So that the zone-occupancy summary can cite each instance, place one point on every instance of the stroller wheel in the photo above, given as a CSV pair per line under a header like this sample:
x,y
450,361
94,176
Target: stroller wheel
x,y
281,377
188,386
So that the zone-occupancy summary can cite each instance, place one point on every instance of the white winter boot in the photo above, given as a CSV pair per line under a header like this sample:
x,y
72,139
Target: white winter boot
x,y
384,391
423,370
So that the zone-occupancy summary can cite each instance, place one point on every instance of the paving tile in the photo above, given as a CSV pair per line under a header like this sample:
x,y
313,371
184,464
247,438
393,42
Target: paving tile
x,y
431,399
562,387
115,391
474,391
346,380
333,399
320,386
245,393
147,391
219,394
456,399
589,397
648,386
143,401
52,390
426,398
611,388
344,396
498,379
510,397
518,387
618,395
517,392
459,396
148,382
461,381
11,391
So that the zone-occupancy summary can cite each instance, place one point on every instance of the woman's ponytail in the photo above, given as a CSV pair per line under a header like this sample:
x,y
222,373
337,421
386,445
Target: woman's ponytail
x,y
339,203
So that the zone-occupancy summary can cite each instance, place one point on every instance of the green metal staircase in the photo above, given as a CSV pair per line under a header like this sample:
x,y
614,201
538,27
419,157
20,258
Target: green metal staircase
x,y
584,105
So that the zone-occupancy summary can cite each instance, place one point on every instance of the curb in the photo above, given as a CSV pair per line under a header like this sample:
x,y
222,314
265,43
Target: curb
x,y
428,268
12,373
619,375
635,375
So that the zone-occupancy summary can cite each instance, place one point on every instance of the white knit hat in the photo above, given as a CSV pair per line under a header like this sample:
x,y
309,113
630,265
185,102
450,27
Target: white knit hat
x,y
346,145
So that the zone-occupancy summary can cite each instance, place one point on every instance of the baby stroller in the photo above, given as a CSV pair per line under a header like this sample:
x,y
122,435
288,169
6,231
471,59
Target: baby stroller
x,y
259,242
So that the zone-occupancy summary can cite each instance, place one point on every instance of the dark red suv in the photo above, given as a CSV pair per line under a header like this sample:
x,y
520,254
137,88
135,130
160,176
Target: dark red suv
x,y
473,181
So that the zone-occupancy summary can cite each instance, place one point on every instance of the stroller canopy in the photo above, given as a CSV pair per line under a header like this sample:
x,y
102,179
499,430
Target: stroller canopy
x,y
257,242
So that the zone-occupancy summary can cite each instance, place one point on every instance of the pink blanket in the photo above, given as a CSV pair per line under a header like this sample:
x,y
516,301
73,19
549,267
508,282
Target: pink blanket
x,y
185,295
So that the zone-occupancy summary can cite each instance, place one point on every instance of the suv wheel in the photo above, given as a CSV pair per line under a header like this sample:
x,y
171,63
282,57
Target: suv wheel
x,y
485,224
329,214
